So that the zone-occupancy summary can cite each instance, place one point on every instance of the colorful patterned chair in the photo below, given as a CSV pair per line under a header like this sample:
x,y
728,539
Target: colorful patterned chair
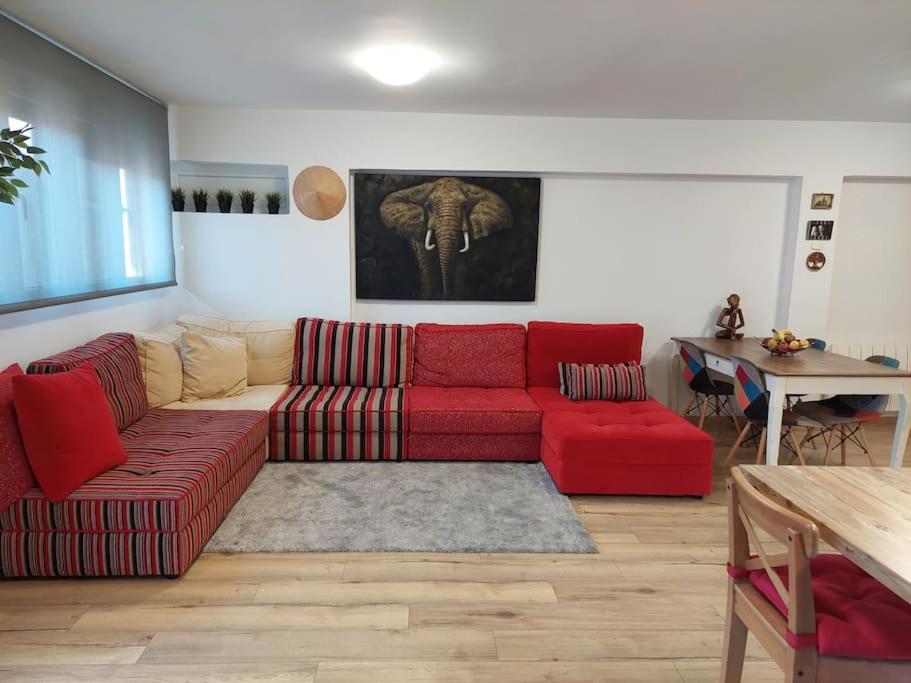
x,y
820,617
709,393
842,417
753,399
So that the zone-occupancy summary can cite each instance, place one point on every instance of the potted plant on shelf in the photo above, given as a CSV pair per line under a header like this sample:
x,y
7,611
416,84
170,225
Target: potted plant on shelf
x,y
273,201
200,200
15,154
247,198
178,199
224,198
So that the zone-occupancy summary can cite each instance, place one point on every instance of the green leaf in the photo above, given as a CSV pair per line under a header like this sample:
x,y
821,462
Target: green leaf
x,y
5,198
5,171
35,150
44,165
19,183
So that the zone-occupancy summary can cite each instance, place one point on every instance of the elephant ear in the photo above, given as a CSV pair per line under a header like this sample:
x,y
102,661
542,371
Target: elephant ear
x,y
403,211
489,213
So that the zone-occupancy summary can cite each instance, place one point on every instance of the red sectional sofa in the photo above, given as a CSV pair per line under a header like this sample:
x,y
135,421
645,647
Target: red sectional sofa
x,y
359,391
153,515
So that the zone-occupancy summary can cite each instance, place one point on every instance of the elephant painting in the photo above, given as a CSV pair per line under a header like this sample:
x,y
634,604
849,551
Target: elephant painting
x,y
446,238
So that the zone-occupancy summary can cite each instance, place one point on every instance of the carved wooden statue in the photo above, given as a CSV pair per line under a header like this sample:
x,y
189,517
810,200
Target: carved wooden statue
x,y
730,320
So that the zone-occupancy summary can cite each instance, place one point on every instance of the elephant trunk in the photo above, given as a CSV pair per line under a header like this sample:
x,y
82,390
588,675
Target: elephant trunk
x,y
448,232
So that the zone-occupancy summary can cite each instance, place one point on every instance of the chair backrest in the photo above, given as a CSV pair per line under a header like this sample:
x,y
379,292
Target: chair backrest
x,y
695,372
750,390
818,344
749,510
870,403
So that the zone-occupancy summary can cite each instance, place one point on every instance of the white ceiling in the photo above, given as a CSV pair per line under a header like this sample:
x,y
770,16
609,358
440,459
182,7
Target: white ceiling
x,y
717,59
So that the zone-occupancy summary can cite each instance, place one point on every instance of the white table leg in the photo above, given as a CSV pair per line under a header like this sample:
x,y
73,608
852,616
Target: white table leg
x,y
902,427
777,392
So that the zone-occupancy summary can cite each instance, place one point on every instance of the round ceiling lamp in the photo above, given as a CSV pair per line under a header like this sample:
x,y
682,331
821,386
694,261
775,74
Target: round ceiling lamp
x,y
397,64
319,193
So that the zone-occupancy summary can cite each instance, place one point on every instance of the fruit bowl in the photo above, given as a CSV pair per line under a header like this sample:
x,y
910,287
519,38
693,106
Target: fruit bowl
x,y
784,343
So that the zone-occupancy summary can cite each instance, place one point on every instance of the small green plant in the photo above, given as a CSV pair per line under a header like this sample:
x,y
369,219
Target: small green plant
x,y
247,197
178,198
200,200
15,154
224,198
273,201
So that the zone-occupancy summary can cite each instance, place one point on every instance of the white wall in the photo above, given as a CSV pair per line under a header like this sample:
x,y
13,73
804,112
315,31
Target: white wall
x,y
871,289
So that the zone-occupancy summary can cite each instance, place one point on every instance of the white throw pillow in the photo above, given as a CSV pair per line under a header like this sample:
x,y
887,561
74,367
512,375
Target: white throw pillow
x,y
269,344
159,361
212,366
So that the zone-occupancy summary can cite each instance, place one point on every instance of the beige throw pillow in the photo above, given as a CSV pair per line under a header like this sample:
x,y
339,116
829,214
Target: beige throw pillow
x,y
269,345
212,366
159,361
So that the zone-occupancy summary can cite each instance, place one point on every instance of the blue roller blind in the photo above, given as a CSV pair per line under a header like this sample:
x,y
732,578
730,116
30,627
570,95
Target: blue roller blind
x,y
100,222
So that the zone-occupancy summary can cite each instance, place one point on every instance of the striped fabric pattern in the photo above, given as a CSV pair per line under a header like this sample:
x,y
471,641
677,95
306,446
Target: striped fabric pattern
x,y
338,423
132,553
176,462
116,360
563,370
621,382
333,353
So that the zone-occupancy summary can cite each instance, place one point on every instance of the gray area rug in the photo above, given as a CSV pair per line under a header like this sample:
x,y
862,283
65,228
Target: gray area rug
x,y
402,506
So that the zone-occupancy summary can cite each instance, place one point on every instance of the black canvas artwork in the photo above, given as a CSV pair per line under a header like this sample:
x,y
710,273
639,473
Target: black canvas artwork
x,y
439,237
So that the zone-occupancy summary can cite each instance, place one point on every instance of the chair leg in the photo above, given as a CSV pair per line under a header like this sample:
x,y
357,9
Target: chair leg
x,y
796,447
735,643
733,410
863,440
743,435
827,438
844,446
703,408
760,449
808,437
686,411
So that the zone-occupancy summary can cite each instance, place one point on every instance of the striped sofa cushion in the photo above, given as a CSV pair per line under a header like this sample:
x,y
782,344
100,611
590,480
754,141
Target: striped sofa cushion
x,y
116,361
176,462
332,353
621,382
338,423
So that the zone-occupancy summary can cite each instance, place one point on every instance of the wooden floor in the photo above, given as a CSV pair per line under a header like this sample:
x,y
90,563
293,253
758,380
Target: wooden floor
x,y
647,608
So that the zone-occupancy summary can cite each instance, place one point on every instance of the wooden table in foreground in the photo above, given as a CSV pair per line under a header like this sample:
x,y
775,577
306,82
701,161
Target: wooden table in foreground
x,y
862,512
811,372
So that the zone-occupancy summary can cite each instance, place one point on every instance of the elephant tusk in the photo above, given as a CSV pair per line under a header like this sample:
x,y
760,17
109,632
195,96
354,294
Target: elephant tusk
x,y
467,245
427,245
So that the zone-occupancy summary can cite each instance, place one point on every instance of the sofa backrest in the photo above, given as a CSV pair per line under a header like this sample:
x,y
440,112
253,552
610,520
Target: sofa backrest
x,y
469,355
116,361
333,353
550,343
269,344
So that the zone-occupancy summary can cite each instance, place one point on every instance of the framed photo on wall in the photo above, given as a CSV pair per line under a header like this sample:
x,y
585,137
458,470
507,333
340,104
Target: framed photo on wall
x,y
438,237
822,200
820,230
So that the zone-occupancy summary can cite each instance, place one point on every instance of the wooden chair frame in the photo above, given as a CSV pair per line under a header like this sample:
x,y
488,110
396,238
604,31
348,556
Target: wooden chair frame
x,y
748,610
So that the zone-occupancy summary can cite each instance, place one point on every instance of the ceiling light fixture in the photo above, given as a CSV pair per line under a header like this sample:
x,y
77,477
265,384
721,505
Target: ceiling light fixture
x,y
397,65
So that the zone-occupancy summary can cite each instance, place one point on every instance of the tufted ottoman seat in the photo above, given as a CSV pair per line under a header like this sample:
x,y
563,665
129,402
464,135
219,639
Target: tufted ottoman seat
x,y
149,517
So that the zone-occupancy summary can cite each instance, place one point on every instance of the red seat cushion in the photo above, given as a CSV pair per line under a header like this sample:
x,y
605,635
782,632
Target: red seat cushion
x,y
15,474
466,410
67,428
856,616
550,343
469,355
177,460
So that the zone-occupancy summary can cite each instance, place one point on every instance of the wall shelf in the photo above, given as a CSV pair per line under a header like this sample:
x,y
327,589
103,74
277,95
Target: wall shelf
x,y
217,175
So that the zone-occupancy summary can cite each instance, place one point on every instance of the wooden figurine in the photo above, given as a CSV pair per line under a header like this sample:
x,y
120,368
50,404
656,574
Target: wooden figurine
x,y
730,320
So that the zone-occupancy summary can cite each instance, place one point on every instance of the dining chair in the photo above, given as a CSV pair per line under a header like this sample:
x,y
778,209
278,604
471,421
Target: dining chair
x,y
821,618
709,393
753,398
843,416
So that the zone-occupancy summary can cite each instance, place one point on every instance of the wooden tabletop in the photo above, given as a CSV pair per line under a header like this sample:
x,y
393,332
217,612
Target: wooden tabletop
x,y
807,363
862,512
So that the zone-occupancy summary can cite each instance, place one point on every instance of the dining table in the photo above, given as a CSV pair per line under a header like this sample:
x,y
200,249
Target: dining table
x,y
864,513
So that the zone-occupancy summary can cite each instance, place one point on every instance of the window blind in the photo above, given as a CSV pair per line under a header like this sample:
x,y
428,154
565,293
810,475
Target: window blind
x,y
100,223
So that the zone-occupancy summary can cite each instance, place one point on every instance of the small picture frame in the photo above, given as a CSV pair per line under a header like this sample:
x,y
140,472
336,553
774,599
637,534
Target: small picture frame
x,y
822,200
820,231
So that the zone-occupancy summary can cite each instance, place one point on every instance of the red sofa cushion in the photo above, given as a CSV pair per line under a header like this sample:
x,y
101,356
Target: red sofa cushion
x,y
550,343
468,410
333,353
469,355
67,428
176,462
856,616
15,474
116,361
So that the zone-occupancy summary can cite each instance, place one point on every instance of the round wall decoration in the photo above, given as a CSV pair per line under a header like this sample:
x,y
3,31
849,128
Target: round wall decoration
x,y
816,260
319,193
